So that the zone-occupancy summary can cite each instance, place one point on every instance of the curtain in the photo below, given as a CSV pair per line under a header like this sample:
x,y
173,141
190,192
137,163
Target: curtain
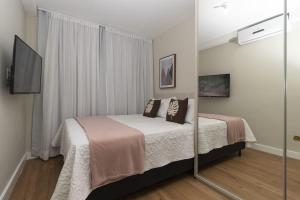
x,y
37,114
129,73
88,70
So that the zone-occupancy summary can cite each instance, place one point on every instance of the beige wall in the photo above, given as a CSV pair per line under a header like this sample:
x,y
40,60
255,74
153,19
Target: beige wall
x,y
12,108
31,39
256,85
181,41
253,66
293,91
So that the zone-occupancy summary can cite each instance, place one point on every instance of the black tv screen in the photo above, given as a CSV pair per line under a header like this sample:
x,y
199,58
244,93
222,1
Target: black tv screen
x,y
214,85
26,70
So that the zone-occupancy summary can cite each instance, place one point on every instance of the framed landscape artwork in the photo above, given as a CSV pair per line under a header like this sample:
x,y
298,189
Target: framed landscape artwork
x,y
167,72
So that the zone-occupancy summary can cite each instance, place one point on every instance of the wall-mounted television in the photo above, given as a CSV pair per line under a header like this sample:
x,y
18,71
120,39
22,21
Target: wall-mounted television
x,y
214,85
26,70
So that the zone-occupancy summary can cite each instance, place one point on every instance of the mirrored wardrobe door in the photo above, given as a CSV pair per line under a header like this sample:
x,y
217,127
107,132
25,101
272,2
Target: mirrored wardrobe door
x,y
293,100
241,97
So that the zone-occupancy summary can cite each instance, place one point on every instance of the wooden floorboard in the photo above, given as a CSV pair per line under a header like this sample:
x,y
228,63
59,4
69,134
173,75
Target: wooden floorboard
x,y
255,175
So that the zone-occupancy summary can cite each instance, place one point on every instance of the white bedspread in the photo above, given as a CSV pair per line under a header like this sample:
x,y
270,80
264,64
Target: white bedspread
x,y
213,134
165,142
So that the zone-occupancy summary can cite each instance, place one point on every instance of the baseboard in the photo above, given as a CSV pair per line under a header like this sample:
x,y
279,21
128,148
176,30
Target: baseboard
x,y
29,156
274,150
13,179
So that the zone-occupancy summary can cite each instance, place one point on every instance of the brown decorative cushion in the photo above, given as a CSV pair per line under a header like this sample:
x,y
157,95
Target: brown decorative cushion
x,y
177,110
151,108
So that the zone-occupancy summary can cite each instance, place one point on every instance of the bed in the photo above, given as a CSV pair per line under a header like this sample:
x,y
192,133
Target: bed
x,y
169,151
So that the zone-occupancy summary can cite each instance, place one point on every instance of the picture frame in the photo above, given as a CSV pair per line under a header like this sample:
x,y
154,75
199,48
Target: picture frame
x,y
167,72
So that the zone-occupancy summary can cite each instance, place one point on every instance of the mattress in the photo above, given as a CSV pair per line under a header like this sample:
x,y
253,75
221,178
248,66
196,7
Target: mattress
x,y
165,142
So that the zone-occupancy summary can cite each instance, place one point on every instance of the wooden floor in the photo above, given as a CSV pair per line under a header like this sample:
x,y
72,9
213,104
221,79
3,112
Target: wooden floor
x,y
38,179
255,175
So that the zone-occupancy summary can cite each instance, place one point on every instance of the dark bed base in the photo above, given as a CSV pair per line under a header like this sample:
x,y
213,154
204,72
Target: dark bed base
x,y
137,182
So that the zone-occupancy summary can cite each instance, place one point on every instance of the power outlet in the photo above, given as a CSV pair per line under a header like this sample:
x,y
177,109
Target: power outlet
x,y
296,138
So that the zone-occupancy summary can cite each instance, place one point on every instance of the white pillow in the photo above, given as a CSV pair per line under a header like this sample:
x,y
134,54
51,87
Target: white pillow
x,y
164,105
189,117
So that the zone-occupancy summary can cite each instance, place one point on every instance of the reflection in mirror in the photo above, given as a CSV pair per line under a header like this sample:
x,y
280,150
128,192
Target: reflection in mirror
x,y
293,96
241,96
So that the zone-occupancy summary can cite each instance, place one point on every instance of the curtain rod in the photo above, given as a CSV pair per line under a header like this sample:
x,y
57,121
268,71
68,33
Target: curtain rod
x,y
108,28
75,19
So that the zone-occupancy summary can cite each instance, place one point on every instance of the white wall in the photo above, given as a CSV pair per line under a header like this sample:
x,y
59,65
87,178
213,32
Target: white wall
x,y
256,85
181,41
12,108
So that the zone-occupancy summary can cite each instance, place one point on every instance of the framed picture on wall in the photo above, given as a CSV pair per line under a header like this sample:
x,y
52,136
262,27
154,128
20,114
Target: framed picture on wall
x,y
167,72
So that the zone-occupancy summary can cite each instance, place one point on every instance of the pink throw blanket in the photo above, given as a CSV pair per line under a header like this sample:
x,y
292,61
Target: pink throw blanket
x,y
116,150
235,126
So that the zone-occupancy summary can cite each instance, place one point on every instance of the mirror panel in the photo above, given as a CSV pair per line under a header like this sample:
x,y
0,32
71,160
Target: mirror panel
x,y
293,103
255,104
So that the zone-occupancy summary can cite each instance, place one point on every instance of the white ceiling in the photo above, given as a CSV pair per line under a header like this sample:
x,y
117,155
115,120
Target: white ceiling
x,y
147,18
217,22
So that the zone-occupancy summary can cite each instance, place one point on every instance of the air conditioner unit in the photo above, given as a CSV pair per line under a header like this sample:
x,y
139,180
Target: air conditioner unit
x,y
261,30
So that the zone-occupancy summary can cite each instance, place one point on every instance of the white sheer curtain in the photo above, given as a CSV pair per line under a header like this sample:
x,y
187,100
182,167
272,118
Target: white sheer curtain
x,y
129,73
89,71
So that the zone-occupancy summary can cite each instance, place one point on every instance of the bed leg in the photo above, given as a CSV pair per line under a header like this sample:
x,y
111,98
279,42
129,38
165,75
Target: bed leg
x,y
240,153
